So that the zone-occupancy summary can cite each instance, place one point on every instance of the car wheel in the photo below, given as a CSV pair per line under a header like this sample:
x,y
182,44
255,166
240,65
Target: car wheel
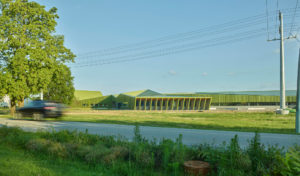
x,y
38,116
18,115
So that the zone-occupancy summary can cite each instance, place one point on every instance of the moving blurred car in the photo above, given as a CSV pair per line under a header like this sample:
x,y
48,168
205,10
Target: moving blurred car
x,y
40,109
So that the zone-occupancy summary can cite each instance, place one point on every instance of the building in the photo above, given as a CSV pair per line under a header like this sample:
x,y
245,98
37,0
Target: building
x,y
148,100
5,101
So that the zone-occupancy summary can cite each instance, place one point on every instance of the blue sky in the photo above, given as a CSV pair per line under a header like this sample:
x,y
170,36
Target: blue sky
x,y
252,64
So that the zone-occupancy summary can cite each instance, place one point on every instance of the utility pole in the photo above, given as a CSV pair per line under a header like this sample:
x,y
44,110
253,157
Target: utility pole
x,y
42,95
282,109
282,73
298,99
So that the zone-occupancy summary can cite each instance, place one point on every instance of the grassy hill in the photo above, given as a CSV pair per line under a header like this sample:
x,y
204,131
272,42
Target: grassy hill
x,y
86,94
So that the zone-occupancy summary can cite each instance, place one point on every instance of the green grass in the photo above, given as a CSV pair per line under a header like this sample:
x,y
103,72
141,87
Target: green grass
x,y
268,122
236,121
17,162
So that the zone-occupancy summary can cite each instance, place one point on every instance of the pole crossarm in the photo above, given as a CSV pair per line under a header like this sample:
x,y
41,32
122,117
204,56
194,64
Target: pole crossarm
x,y
287,38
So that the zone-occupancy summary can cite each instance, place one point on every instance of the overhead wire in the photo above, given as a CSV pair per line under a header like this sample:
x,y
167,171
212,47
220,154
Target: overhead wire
x,y
293,19
208,28
173,52
180,47
277,19
268,34
89,57
219,31
224,40
168,40
180,38
177,40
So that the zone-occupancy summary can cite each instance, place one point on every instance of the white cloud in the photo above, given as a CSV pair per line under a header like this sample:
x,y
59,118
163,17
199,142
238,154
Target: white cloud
x,y
231,73
276,51
204,74
172,72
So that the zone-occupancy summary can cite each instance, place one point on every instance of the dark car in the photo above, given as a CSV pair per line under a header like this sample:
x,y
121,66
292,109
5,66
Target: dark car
x,y
40,109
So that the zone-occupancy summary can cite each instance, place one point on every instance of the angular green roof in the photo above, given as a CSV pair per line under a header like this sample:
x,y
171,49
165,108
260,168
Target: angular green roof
x,y
141,93
86,94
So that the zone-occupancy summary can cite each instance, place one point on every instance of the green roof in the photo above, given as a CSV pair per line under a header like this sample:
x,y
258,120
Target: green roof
x,y
140,93
86,94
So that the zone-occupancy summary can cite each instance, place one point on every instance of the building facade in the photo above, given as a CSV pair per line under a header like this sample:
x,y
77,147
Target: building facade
x,y
172,103
147,100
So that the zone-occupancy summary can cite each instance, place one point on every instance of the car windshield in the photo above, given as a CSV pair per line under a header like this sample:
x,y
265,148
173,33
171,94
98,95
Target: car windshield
x,y
35,104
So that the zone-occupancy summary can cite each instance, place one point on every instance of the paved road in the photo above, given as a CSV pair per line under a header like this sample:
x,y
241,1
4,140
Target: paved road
x,y
190,136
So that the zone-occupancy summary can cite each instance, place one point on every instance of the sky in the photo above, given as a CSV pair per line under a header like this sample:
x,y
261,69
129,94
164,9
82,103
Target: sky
x,y
248,65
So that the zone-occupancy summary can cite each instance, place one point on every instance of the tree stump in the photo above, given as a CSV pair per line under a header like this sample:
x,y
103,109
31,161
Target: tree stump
x,y
196,168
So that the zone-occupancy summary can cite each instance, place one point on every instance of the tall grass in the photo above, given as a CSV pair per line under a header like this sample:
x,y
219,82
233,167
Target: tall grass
x,y
143,157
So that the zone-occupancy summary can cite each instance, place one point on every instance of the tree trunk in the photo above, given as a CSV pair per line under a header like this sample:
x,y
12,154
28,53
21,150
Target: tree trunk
x,y
12,108
21,103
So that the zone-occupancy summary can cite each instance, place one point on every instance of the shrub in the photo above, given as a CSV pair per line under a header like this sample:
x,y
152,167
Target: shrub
x,y
57,149
292,162
116,153
37,145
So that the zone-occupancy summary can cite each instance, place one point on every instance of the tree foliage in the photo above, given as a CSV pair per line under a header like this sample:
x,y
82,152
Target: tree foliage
x,y
30,52
61,87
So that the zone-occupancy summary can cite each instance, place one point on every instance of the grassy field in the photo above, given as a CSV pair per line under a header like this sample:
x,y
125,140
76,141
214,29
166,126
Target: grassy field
x,y
238,121
235,121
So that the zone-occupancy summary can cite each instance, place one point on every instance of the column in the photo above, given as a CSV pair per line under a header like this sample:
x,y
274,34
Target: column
x,y
172,104
194,103
188,108
140,103
167,105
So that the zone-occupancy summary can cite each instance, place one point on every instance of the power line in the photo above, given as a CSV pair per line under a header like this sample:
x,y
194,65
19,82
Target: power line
x,y
203,44
180,38
219,40
277,19
172,41
177,40
267,19
293,19
208,28
173,52
87,58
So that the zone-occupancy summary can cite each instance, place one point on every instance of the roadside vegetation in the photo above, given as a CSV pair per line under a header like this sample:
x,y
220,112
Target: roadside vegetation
x,y
79,153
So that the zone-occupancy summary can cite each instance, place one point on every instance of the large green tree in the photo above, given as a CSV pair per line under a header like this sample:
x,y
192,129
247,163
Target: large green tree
x,y
61,88
30,52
